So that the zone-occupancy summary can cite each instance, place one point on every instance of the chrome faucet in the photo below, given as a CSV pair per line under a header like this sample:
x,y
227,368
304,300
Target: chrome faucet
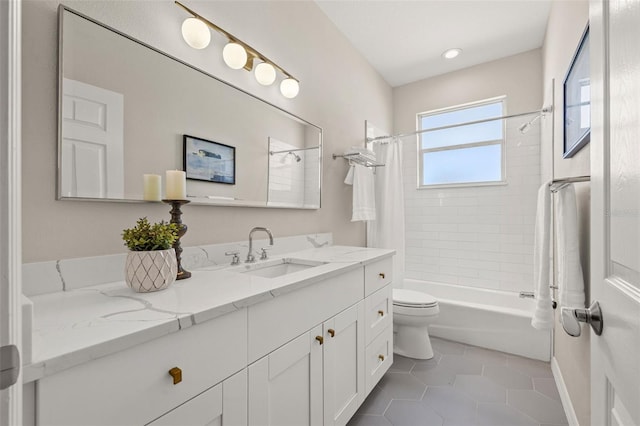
x,y
250,257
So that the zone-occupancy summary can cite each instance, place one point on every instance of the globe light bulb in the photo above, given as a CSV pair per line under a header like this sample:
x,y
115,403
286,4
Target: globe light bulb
x,y
234,55
196,33
289,88
265,74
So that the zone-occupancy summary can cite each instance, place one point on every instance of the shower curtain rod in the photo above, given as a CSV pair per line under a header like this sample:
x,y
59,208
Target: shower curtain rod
x,y
292,150
417,132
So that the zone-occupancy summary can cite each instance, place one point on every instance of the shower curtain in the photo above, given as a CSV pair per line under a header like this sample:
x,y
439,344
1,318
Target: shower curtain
x,y
387,231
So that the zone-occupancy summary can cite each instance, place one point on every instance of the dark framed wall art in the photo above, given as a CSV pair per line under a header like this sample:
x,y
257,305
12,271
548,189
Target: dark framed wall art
x,y
209,161
577,100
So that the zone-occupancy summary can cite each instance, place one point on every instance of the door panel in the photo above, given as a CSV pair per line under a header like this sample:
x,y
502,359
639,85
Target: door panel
x,y
285,387
92,142
203,410
344,365
615,228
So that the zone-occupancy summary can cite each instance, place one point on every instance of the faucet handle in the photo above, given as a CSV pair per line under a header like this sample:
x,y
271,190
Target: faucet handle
x,y
235,260
263,254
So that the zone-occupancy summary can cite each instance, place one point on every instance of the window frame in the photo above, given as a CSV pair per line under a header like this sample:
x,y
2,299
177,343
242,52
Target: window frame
x,y
502,142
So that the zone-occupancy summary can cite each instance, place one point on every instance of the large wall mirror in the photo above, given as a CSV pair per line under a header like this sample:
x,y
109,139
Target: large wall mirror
x,y
124,108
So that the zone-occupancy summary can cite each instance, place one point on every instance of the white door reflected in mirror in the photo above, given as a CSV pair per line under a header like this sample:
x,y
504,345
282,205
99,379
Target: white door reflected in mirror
x,y
92,141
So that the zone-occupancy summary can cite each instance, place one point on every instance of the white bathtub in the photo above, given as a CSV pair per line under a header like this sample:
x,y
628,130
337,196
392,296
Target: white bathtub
x,y
490,319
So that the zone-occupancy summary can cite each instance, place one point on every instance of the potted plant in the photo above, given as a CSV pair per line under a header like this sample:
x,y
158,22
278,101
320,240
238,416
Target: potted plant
x,y
151,262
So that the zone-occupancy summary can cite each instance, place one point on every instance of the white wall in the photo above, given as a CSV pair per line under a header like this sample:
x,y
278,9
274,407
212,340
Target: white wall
x,y
567,22
338,91
475,236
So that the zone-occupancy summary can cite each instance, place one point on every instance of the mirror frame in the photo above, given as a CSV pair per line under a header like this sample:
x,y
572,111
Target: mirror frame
x,y
197,201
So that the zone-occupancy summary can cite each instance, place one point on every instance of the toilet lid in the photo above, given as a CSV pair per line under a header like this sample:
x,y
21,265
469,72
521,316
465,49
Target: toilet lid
x,y
412,298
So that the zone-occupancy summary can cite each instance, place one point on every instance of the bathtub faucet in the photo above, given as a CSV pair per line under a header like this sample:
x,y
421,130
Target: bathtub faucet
x,y
527,295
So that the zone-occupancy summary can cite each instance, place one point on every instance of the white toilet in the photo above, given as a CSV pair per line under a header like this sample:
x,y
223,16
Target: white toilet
x,y
413,311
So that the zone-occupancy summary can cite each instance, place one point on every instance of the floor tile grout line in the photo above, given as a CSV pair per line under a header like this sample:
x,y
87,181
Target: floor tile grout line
x,y
512,362
522,412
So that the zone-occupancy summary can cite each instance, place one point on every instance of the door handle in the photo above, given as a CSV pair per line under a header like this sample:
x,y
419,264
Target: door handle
x,y
9,366
572,317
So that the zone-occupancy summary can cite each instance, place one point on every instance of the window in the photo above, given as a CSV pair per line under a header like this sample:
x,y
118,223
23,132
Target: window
x,y
467,154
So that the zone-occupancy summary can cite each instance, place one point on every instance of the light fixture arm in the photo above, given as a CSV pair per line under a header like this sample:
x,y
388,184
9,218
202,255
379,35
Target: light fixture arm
x,y
251,52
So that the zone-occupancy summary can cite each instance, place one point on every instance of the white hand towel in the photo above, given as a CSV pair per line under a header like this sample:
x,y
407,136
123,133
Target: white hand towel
x,y
570,278
364,200
349,177
543,314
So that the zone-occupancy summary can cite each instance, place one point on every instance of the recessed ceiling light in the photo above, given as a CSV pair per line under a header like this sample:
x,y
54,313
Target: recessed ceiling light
x,y
451,53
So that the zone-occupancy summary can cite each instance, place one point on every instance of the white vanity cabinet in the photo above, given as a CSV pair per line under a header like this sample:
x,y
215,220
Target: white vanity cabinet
x,y
316,374
307,355
321,376
343,365
223,405
134,386
316,379
285,387
378,321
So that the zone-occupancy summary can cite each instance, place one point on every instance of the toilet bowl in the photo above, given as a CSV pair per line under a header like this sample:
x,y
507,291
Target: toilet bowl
x,y
413,311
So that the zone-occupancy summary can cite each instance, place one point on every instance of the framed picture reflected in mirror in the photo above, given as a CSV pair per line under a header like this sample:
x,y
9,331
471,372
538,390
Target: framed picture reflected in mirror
x,y
209,161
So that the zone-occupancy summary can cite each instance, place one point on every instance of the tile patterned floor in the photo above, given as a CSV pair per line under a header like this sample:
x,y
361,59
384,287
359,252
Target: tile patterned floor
x,y
463,386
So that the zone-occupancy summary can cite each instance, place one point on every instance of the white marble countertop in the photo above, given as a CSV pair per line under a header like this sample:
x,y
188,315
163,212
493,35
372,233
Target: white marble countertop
x,y
76,326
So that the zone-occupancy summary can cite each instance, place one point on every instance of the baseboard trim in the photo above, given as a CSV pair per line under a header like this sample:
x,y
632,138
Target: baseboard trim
x,y
564,393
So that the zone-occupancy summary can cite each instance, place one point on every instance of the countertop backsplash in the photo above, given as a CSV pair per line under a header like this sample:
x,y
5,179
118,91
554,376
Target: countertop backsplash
x,y
67,274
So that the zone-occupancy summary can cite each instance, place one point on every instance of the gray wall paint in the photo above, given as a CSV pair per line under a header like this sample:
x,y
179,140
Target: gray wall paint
x,y
567,22
338,91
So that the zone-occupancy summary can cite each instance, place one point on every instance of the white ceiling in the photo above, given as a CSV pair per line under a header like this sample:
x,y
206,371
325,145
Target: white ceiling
x,y
404,39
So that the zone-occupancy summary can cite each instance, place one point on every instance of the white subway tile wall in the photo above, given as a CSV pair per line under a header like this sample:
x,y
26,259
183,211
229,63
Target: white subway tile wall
x,y
293,182
479,236
286,175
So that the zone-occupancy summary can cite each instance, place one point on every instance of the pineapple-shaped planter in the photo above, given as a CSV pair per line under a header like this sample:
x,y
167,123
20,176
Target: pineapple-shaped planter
x,y
151,264
147,271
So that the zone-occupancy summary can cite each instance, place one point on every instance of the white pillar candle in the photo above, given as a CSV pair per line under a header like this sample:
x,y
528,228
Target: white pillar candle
x,y
152,188
176,185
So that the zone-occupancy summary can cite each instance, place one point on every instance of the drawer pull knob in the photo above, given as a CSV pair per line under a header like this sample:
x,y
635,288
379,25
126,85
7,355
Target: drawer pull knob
x,y
381,357
381,274
381,313
176,373
320,339
332,332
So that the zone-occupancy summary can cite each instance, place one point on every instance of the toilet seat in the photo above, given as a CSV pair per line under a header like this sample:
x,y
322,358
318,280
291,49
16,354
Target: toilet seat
x,y
413,299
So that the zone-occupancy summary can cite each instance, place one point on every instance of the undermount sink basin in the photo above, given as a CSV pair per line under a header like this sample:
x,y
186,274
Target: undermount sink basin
x,y
278,267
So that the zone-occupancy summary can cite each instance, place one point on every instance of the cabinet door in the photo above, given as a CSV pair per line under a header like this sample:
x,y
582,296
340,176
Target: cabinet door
x,y
344,378
203,410
223,405
285,387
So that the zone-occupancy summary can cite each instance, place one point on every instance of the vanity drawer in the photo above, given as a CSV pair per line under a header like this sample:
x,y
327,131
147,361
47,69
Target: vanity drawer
x,y
377,275
378,358
225,404
134,386
378,312
277,321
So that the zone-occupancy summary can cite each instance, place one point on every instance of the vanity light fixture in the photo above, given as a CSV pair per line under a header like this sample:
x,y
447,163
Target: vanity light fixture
x,y
234,55
289,87
196,33
265,74
451,53
237,54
